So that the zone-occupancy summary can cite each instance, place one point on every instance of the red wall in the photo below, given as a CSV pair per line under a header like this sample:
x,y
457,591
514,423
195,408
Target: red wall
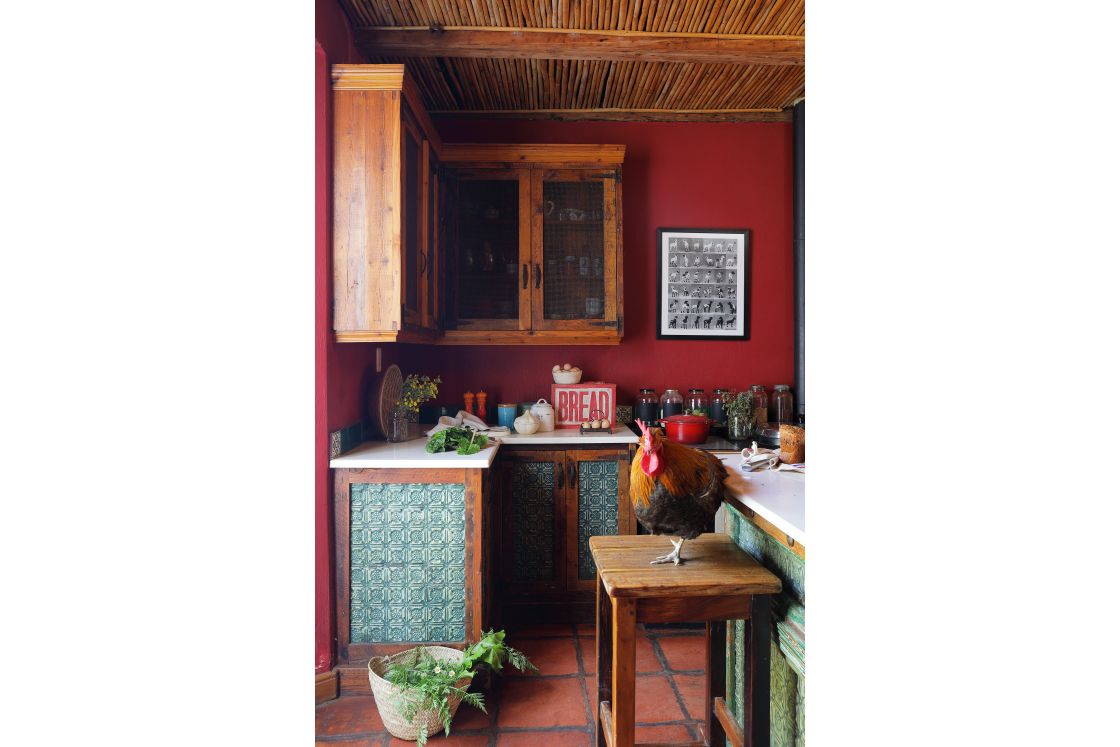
x,y
711,175
340,370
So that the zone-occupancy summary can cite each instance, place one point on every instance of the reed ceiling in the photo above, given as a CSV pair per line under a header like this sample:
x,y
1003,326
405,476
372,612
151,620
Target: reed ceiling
x,y
601,59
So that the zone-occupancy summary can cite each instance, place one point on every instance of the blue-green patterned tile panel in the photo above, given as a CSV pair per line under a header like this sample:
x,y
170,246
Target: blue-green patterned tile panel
x,y
598,508
787,702
534,504
407,563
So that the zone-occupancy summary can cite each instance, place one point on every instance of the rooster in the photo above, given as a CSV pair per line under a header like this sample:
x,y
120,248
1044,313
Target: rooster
x,y
676,490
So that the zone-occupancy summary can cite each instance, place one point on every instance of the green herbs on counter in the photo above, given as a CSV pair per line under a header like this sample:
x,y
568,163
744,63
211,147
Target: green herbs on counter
x,y
461,440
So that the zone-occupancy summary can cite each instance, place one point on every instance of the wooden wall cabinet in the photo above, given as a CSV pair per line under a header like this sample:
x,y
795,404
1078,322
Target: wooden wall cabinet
x,y
386,208
534,244
551,502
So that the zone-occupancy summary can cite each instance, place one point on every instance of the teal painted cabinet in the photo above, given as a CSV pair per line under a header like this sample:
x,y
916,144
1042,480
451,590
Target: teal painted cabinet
x,y
411,558
552,502
787,647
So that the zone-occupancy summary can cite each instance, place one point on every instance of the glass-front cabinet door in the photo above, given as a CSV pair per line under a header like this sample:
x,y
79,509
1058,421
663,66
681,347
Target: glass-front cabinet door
x,y
575,251
489,253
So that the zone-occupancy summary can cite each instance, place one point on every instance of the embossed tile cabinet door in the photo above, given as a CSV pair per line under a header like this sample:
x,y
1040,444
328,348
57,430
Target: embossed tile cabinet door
x,y
533,521
598,504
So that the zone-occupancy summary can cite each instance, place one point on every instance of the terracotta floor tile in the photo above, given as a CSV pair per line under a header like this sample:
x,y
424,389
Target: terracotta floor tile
x,y
353,742
656,701
550,655
684,652
589,653
692,690
645,658
550,630
664,734
455,740
471,718
544,739
542,702
352,714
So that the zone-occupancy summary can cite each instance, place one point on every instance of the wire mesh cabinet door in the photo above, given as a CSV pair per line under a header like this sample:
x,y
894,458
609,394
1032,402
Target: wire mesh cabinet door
x,y
489,254
577,240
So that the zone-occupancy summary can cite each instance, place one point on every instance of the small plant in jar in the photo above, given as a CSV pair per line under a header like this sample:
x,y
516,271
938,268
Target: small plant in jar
x,y
739,407
415,391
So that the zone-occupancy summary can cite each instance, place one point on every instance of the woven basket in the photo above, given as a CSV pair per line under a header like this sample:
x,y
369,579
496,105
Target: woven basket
x,y
388,697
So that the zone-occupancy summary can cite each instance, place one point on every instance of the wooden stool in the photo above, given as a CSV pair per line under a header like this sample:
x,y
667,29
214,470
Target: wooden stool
x,y
717,582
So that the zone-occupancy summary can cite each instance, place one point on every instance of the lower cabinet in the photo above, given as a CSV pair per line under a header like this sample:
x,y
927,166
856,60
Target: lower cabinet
x,y
412,559
552,501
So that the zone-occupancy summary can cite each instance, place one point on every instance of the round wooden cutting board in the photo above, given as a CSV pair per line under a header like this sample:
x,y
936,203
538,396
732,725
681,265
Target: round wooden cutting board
x,y
384,391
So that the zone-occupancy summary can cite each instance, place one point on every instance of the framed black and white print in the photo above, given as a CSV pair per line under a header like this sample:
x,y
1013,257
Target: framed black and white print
x,y
703,284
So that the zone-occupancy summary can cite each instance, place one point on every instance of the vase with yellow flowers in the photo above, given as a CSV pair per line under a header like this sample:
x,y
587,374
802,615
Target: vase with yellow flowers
x,y
415,391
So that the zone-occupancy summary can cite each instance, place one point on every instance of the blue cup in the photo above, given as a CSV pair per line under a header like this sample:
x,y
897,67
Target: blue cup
x,y
507,413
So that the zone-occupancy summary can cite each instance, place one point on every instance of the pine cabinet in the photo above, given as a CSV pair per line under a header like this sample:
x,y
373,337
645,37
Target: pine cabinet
x,y
552,501
387,200
467,244
535,244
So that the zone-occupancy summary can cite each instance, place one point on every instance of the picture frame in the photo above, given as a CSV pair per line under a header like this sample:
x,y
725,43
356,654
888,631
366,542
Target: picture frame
x,y
703,284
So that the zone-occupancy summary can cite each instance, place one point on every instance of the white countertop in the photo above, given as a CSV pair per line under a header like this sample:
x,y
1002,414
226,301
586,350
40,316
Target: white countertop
x,y
410,454
778,497
571,437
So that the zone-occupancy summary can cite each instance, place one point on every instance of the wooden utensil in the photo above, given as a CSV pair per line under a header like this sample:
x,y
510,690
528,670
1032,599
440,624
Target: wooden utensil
x,y
384,392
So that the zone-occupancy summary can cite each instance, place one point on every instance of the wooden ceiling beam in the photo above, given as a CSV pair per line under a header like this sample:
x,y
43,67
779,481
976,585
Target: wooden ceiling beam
x,y
625,115
578,44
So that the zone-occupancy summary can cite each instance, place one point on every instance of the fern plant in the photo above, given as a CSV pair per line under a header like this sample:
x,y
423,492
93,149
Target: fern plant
x,y
430,684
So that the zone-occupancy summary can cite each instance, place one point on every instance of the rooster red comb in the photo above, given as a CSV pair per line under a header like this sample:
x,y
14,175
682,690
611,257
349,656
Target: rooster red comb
x,y
642,426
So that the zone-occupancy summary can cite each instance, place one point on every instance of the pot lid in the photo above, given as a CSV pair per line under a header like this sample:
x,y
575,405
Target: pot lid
x,y
685,419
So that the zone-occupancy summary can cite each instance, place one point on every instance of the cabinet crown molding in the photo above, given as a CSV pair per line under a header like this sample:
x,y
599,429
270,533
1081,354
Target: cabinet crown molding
x,y
368,77
534,153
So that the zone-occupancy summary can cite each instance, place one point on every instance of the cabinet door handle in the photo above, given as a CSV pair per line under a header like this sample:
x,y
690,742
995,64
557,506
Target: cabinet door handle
x,y
524,276
423,263
571,474
537,274
560,475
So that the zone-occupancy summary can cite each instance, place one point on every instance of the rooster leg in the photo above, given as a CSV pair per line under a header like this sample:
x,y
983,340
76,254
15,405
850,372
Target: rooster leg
x,y
674,557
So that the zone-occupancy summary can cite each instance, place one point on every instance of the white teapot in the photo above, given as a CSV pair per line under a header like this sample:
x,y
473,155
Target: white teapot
x,y
545,414
527,424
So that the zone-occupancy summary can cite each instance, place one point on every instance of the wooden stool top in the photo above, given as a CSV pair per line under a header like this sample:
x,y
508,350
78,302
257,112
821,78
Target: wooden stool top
x,y
713,566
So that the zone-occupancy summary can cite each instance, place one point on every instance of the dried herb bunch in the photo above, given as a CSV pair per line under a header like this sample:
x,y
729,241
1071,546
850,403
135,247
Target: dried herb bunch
x,y
415,391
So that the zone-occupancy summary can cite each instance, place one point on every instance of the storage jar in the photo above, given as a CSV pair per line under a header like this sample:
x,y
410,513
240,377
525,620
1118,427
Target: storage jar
x,y
672,403
646,409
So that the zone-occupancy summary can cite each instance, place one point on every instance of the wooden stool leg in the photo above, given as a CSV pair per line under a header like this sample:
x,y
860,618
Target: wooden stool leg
x,y
604,654
716,684
622,671
756,680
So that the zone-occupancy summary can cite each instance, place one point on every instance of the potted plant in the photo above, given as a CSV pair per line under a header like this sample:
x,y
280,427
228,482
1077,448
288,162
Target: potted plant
x,y
415,391
418,691
739,407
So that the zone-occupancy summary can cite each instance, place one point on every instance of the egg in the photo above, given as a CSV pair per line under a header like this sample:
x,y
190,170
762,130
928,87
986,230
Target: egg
x,y
556,368
585,424
567,366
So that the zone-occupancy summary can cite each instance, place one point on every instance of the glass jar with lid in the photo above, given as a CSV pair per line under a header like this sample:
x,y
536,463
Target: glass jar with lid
x,y
647,406
761,414
719,414
697,403
672,403
781,405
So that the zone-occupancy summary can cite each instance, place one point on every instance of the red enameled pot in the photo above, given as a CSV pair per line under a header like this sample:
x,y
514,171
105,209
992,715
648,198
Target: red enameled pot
x,y
686,429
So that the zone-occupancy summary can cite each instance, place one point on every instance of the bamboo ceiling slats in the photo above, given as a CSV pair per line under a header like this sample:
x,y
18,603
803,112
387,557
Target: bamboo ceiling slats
x,y
757,84
772,17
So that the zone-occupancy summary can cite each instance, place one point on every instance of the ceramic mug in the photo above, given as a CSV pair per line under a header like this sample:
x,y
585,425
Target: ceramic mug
x,y
507,413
